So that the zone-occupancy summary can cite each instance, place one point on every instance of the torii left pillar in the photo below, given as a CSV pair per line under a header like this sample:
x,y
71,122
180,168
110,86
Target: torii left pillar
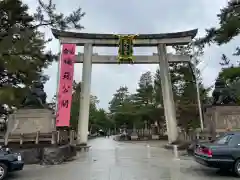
x,y
83,120
168,101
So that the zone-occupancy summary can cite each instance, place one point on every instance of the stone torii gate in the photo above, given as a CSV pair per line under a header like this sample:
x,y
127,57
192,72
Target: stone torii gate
x,y
143,40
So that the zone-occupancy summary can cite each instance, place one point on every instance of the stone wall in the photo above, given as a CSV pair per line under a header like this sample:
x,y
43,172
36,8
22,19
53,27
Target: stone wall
x,y
47,155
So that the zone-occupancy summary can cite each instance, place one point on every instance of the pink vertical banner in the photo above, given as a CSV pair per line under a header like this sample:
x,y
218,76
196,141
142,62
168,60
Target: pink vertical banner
x,y
65,85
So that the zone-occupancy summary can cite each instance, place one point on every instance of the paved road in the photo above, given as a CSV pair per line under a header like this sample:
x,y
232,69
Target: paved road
x,y
111,160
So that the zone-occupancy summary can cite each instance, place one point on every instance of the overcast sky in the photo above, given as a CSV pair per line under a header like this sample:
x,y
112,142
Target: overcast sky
x,y
136,16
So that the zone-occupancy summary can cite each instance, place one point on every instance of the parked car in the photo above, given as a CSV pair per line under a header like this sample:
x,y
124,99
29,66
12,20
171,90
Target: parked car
x,y
224,153
9,162
193,145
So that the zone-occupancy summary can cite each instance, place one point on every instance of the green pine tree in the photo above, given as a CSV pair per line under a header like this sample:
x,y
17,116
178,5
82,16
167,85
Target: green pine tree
x,y
23,54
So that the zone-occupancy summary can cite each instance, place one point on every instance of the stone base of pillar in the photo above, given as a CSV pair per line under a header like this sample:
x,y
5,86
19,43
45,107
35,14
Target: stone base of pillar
x,y
82,147
81,144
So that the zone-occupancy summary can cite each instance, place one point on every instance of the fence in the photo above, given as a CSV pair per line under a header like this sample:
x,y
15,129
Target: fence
x,y
145,134
54,138
182,135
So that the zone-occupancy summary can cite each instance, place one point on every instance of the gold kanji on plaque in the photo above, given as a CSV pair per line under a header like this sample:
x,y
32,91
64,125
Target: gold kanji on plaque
x,y
125,49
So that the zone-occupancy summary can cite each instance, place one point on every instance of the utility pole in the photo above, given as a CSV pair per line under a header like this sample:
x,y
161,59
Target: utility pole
x,y
198,92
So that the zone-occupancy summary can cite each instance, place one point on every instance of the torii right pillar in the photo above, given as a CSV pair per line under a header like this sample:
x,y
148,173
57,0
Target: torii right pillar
x,y
167,92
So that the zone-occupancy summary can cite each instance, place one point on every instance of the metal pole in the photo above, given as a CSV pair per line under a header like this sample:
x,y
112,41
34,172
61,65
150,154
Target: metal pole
x,y
198,93
58,81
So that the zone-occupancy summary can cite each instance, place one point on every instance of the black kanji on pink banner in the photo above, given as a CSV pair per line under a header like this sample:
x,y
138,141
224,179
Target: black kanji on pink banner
x,y
65,88
68,61
65,103
68,51
67,75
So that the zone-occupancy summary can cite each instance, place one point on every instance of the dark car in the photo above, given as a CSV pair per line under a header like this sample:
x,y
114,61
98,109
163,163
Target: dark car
x,y
223,153
192,146
9,162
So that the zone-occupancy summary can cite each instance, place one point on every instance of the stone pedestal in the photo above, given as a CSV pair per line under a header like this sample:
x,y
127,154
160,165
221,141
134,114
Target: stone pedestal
x,y
222,118
155,137
154,132
134,135
27,121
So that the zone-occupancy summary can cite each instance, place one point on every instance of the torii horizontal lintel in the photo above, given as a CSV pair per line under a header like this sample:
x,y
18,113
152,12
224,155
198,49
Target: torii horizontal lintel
x,y
143,59
111,40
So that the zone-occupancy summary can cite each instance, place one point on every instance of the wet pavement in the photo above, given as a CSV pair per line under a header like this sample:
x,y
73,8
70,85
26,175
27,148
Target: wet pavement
x,y
111,160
